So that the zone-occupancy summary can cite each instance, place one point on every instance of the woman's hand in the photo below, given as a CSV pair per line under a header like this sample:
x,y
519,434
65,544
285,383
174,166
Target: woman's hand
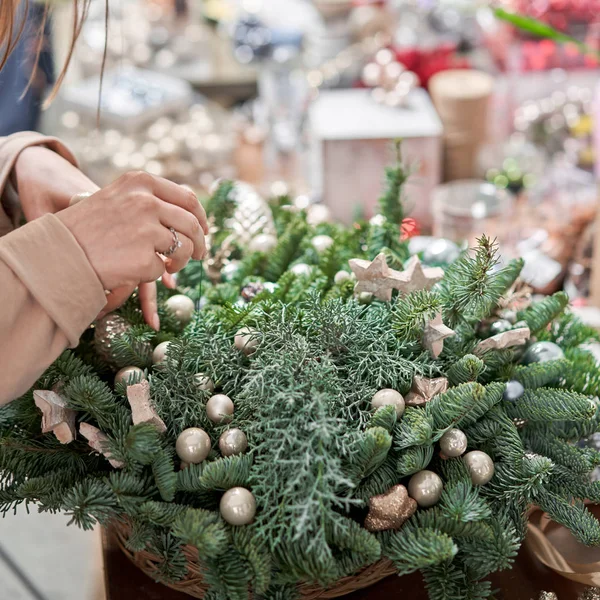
x,y
123,228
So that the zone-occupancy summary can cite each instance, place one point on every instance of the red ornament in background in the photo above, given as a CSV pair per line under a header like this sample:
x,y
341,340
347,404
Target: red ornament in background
x,y
409,228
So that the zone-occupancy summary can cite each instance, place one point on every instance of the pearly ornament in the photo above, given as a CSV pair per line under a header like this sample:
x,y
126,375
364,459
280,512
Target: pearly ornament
x,y
193,445
480,466
301,270
423,390
506,339
453,443
233,441
426,488
542,352
341,277
203,382
238,506
181,307
388,397
434,334
390,510
142,410
98,441
246,340
365,298
219,408
375,277
321,243
56,417
229,270
316,214
264,242
159,355
513,391
129,375
416,277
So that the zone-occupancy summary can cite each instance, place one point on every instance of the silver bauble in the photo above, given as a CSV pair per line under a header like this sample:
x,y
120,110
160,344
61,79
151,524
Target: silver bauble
x,y
301,270
500,326
388,397
238,506
480,465
264,242
317,214
341,277
246,340
426,488
129,376
181,307
321,243
160,353
193,445
441,251
233,441
453,443
219,408
365,298
204,382
229,271
540,352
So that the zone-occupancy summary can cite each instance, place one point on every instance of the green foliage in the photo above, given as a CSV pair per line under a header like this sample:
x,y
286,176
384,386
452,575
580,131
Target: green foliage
x,y
468,368
540,314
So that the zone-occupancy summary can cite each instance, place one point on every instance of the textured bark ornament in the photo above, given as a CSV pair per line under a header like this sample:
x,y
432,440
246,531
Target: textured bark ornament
x,y
390,510
376,277
434,334
142,410
506,339
423,390
97,441
416,277
56,417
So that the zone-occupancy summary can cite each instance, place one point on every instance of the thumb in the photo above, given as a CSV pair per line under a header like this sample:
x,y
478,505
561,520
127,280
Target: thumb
x,y
116,298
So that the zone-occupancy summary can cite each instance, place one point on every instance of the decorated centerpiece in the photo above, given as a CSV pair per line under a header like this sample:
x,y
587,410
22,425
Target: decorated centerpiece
x,y
319,410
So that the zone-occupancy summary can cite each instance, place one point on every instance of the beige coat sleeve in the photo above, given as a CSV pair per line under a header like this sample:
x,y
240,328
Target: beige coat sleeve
x,y
49,292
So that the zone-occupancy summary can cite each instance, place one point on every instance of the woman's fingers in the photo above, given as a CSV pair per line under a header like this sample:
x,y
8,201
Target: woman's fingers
x,y
176,261
185,224
148,302
116,298
168,281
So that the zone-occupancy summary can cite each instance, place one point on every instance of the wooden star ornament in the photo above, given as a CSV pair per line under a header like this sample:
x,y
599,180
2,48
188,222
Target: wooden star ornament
x,y
415,277
390,510
376,277
506,339
434,334
56,417
423,390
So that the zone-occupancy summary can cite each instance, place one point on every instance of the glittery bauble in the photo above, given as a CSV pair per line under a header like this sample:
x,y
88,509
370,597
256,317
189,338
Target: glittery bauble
x,y
238,506
513,391
540,352
181,307
301,269
160,353
107,330
219,408
229,270
129,376
233,441
390,510
265,242
251,290
453,443
204,382
591,593
480,465
548,596
426,488
193,445
388,397
341,277
321,242
246,340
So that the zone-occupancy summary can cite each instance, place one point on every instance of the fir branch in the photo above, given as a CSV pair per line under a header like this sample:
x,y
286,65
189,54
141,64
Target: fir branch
x,y
414,459
202,529
227,472
540,314
412,311
90,502
547,404
468,368
384,417
164,475
538,375
372,448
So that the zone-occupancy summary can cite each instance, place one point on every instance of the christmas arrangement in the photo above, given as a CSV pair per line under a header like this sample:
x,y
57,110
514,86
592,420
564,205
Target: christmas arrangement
x,y
318,402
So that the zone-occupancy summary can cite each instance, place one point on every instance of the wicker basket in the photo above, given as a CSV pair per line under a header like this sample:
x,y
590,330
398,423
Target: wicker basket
x,y
193,585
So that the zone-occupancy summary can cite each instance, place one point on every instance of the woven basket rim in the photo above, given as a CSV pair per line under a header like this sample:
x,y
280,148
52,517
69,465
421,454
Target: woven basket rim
x,y
194,584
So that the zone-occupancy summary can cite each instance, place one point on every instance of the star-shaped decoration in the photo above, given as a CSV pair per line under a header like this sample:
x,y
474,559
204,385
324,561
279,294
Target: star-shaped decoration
x,y
56,417
434,334
376,277
417,277
390,510
423,390
506,339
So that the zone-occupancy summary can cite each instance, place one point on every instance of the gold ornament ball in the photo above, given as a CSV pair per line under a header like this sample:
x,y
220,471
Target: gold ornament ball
x,y
387,397
264,242
193,445
181,307
129,376
480,465
246,340
341,277
426,488
365,298
160,353
106,331
233,441
321,242
238,506
219,408
204,382
453,443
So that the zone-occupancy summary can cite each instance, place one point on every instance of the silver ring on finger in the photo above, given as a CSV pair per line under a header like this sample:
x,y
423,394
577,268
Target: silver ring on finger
x,y
174,246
